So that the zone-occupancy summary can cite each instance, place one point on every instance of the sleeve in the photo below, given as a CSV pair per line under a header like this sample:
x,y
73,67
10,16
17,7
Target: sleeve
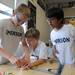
x,y
43,52
51,38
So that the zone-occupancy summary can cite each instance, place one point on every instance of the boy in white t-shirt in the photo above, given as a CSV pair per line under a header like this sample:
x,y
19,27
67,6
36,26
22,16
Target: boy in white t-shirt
x,y
62,37
11,33
36,50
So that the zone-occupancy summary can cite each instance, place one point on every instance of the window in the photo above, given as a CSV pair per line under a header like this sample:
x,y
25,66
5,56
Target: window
x,y
5,11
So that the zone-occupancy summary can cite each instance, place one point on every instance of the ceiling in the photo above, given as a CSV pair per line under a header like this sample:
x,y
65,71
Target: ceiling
x,y
56,3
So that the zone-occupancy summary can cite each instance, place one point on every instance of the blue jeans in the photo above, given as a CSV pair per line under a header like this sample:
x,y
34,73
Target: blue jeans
x,y
60,68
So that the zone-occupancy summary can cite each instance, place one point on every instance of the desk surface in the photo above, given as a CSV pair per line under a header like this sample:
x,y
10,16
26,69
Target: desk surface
x,y
68,70
14,71
39,70
11,71
49,68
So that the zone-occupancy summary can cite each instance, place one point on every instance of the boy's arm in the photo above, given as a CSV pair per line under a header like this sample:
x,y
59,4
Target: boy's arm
x,y
26,54
54,51
14,60
8,56
38,62
4,52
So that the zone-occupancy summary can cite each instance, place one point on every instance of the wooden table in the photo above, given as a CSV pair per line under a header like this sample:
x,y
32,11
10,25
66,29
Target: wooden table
x,y
68,70
49,68
39,70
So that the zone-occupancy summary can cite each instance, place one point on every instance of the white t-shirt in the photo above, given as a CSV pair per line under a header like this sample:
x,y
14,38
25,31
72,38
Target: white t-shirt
x,y
64,40
10,36
40,51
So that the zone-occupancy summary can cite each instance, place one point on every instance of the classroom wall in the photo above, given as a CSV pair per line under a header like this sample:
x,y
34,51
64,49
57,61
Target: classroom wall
x,y
41,22
69,11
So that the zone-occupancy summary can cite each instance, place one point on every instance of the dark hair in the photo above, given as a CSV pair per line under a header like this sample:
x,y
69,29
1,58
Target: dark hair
x,y
32,32
55,12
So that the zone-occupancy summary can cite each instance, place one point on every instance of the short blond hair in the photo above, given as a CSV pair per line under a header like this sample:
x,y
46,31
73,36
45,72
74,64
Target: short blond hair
x,y
32,33
24,9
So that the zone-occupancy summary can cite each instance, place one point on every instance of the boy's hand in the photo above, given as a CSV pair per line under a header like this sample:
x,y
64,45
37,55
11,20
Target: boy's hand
x,y
27,67
21,62
13,59
18,63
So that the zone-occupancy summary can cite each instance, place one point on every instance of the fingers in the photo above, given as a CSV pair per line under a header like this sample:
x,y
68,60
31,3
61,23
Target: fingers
x,y
18,63
26,67
21,63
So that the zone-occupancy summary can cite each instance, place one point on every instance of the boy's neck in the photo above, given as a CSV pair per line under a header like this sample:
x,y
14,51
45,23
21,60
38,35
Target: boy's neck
x,y
14,21
59,27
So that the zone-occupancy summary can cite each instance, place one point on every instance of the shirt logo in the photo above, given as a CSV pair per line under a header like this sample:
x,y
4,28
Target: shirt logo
x,y
13,33
62,40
